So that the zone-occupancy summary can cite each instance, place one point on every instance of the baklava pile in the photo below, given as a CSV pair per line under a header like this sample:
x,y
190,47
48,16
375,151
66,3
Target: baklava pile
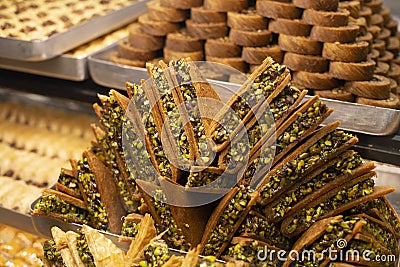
x,y
35,142
344,50
281,179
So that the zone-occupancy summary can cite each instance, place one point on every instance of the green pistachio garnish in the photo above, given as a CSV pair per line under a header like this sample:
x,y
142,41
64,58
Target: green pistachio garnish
x,y
227,221
84,251
174,236
130,228
308,216
69,181
155,254
51,254
288,200
294,169
374,253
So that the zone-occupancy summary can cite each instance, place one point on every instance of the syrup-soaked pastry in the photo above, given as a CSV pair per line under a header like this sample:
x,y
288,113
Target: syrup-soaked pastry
x,y
222,47
205,31
277,9
394,72
368,37
256,55
392,102
346,52
335,18
308,63
354,7
387,57
114,57
246,20
125,50
386,14
377,20
393,86
250,38
202,15
352,71
366,12
181,4
392,26
343,34
60,240
183,42
330,5
382,68
234,62
299,45
170,54
163,13
384,35
376,88
143,41
336,93
375,5
226,5
362,23
314,80
373,55
156,28
393,45
289,27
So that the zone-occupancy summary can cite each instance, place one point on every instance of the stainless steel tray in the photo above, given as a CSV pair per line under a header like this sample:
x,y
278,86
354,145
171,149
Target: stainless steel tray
x,y
354,117
65,67
17,220
77,35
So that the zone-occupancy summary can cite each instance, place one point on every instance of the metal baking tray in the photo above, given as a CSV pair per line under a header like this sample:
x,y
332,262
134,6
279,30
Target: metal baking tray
x,y
354,117
74,37
17,220
66,66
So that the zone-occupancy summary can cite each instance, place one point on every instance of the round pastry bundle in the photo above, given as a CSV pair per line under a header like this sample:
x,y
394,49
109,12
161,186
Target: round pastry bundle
x,y
301,187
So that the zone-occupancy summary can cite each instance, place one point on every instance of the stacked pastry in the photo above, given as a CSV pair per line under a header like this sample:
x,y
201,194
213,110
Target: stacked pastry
x,y
147,37
270,178
34,143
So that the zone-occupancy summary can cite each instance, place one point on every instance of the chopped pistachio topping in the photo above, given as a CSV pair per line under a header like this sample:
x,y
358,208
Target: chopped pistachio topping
x,y
130,228
259,228
84,251
70,213
298,128
202,178
249,253
174,235
382,235
113,118
226,223
155,254
285,99
51,254
288,200
294,169
336,230
97,213
307,216
356,248
69,181
143,106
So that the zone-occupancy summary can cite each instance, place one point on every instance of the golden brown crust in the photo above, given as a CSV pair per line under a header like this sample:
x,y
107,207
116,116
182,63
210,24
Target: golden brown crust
x,y
368,37
347,52
206,31
163,13
352,71
394,72
307,63
292,27
313,80
336,18
222,47
343,34
373,55
256,55
225,5
202,15
374,5
392,102
170,54
329,5
124,61
246,20
387,57
181,4
250,38
143,41
156,28
352,6
125,50
183,42
276,9
234,62
299,45
336,93
382,68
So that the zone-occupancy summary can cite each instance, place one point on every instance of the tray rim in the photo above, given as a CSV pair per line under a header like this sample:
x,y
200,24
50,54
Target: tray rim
x,y
39,50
